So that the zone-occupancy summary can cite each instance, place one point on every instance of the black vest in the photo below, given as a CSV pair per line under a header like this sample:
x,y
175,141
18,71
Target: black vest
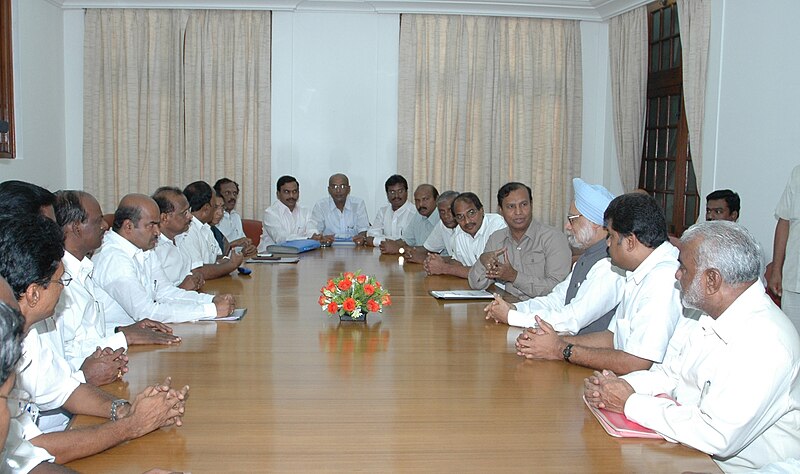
x,y
585,263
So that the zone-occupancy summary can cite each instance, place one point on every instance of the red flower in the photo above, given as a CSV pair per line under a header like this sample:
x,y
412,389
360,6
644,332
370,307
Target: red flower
x,y
348,275
345,284
333,307
372,306
369,289
330,286
361,278
322,300
349,305
386,301
377,284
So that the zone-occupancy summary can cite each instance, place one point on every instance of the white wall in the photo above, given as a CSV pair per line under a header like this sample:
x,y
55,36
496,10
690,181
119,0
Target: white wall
x,y
751,131
38,95
334,101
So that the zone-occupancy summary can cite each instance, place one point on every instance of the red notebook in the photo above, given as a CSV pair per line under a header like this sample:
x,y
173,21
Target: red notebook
x,y
617,425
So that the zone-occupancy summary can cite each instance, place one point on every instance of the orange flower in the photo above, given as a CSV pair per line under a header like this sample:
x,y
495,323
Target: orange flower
x,y
386,301
333,307
345,284
377,284
349,305
369,289
372,306
330,286
322,300
348,275
361,278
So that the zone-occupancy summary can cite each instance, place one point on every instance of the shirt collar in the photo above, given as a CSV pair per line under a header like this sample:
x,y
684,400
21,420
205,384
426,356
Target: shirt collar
x,y
115,240
332,205
196,222
434,217
665,251
78,269
728,326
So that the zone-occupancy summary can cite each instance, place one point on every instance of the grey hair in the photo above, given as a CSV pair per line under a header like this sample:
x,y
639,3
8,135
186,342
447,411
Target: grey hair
x,y
11,324
446,196
727,247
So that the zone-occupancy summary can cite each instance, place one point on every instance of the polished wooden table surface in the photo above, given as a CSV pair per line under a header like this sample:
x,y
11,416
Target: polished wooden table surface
x,y
424,386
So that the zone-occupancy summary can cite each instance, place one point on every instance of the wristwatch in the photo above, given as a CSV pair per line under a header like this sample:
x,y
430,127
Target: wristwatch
x,y
567,352
115,406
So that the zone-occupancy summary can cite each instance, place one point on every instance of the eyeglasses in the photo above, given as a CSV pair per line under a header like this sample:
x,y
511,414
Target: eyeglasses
x,y
339,187
19,401
398,192
64,281
467,215
230,193
571,219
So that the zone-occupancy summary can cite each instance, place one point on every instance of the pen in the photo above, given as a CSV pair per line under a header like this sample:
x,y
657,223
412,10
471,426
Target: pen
x,y
706,387
155,290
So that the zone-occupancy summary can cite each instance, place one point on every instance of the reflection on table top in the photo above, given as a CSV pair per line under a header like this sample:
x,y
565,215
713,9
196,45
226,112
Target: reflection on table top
x,y
425,386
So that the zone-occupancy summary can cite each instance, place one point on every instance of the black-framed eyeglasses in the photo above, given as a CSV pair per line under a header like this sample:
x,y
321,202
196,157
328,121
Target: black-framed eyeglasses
x,y
572,218
64,281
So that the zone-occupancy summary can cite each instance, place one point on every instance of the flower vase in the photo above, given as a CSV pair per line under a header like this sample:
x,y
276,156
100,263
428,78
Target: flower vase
x,y
347,316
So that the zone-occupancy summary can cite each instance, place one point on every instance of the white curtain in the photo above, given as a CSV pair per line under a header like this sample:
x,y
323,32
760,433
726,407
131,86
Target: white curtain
x,y
173,96
694,18
487,100
628,46
228,102
133,102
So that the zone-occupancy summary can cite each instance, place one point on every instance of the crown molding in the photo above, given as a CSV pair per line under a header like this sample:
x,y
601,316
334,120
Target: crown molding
x,y
587,10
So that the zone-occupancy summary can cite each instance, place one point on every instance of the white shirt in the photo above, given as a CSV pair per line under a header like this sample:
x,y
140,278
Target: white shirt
x,y
789,209
231,225
19,455
198,243
280,224
174,261
466,248
441,239
390,224
650,307
80,314
327,219
131,277
597,295
747,363
44,374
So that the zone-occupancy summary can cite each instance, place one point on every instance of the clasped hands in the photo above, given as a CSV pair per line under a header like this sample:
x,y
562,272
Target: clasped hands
x,y
157,406
541,342
498,268
606,390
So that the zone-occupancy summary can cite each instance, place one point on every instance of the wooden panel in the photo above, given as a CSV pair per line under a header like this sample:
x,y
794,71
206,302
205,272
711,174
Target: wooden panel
x,y
425,386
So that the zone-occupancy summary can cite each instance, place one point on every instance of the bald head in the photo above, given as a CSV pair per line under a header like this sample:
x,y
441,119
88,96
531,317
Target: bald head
x,y
137,220
339,188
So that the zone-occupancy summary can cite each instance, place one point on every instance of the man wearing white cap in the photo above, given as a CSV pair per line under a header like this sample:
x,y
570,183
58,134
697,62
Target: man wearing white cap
x,y
585,301
649,308
527,257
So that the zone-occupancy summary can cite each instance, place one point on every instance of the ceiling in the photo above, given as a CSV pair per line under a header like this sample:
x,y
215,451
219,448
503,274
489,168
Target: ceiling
x,y
591,10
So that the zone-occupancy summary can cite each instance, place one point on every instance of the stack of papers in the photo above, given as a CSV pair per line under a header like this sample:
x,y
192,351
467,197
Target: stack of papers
x,y
462,295
235,316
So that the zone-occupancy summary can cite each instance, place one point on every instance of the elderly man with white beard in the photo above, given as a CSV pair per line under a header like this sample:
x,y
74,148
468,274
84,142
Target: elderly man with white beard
x,y
586,300
731,377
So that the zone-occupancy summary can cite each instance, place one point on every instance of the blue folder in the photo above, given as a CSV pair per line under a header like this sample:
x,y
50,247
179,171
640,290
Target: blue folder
x,y
294,246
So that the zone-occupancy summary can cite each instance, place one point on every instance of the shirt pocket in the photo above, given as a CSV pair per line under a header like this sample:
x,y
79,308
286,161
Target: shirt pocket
x,y
534,263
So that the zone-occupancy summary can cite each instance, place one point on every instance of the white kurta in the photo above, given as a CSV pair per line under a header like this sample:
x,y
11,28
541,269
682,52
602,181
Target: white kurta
x,y
280,224
390,224
327,219
198,243
466,248
231,225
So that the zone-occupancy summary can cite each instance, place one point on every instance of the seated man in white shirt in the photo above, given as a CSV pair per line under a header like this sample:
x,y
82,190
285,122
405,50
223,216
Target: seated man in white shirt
x,y
650,306
198,242
127,270
586,300
80,315
340,216
528,258
438,241
231,223
285,219
175,220
31,248
421,224
468,240
393,219
732,376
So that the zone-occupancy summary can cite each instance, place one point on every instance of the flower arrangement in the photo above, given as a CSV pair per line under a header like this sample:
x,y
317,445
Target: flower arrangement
x,y
354,295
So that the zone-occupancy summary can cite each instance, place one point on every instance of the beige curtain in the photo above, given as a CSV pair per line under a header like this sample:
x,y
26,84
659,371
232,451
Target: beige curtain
x,y
173,96
133,102
487,100
694,18
628,45
228,102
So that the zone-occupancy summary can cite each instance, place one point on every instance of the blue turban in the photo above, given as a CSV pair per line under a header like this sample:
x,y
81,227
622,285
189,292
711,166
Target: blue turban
x,y
591,200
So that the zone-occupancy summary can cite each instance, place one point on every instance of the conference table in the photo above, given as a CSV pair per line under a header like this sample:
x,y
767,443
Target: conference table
x,y
426,385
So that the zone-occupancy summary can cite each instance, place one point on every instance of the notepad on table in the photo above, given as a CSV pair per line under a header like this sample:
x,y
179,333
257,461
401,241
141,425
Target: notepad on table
x,y
237,315
619,426
269,258
461,294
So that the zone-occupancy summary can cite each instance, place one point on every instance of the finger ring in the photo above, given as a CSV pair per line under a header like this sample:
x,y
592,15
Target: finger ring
x,y
119,373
